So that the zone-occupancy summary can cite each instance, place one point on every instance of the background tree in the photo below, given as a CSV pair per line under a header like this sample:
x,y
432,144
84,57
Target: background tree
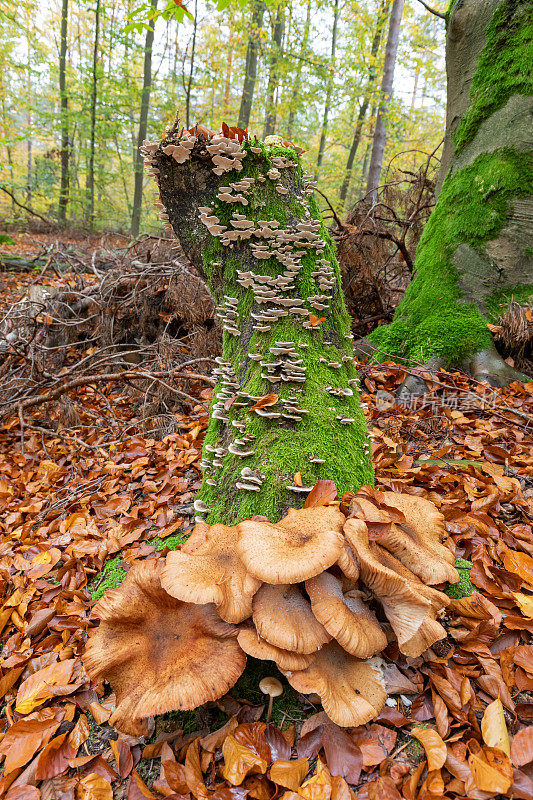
x,y
475,254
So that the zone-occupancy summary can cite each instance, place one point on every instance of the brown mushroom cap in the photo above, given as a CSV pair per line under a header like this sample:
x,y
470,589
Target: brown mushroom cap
x,y
347,563
352,691
417,541
425,526
284,618
429,632
404,607
300,546
255,646
212,573
438,600
345,616
158,653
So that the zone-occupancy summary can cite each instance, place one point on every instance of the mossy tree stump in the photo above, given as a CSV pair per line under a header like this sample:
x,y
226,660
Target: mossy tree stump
x,y
246,217
476,252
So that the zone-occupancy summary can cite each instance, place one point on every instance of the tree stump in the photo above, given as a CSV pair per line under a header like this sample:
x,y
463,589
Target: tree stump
x,y
286,409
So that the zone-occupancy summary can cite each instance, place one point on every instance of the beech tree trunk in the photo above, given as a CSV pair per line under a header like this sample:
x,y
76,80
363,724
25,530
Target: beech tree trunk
x,y
295,97
65,144
250,70
380,131
329,91
363,108
476,252
273,75
286,332
94,95
143,126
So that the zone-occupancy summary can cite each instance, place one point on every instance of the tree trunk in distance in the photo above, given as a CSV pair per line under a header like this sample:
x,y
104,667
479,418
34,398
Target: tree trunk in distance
x,y
329,91
191,70
295,98
273,76
143,126
363,108
250,70
286,331
65,147
94,93
380,132
476,253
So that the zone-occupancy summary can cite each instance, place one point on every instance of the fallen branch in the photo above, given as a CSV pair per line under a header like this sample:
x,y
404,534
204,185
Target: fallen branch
x,y
26,208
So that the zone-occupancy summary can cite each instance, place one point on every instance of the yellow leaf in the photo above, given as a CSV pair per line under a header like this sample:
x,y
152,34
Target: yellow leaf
x,y
525,603
494,728
43,685
289,774
487,777
433,745
318,786
94,787
239,761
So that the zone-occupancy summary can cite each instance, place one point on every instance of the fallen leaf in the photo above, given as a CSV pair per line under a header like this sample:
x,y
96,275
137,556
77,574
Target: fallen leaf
x,y
494,728
433,745
265,401
44,684
318,786
94,787
343,756
239,761
522,747
289,774
322,493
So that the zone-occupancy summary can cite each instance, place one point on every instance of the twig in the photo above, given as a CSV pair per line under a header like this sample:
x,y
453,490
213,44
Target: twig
x,y
335,217
26,208
433,10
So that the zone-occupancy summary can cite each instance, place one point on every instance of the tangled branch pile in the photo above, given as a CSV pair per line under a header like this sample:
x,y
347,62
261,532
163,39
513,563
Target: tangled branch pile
x,y
140,323
320,593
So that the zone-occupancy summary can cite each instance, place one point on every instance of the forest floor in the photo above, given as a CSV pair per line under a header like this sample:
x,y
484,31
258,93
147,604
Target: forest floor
x,y
94,495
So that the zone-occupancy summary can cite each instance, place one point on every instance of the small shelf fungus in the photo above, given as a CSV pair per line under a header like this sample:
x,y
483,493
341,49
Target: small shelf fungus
x,y
312,593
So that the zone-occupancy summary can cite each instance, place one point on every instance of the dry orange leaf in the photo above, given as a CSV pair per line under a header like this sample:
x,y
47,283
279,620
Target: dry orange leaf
x,y
289,774
494,728
433,745
490,772
26,737
94,787
319,785
239,761
519,563
265,401
44,684
522,747
322,493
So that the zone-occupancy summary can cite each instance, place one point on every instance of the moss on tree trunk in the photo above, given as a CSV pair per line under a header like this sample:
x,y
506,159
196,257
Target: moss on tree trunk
x,y
476,250
294,344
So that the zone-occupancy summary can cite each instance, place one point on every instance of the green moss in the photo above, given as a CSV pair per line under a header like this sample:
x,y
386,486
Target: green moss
x,y
112,576
287,708
434,320
505,67
465,586
281,451
172,542
498,301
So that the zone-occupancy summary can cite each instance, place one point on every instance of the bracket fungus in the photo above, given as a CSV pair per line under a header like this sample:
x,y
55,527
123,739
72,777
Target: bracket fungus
x,y
158,653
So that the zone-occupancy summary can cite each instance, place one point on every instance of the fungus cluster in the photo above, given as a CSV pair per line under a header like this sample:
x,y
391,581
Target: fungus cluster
x,y
316,593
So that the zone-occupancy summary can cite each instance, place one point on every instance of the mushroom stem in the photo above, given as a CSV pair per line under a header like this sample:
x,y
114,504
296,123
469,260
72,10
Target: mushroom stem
x,y
269,709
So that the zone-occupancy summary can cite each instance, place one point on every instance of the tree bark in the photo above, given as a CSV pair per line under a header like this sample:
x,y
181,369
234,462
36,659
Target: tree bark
x,y
65,144
363,108
273,75
295,98
94,94
380,132
143,125
329,91
476,251
250,70
286,332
